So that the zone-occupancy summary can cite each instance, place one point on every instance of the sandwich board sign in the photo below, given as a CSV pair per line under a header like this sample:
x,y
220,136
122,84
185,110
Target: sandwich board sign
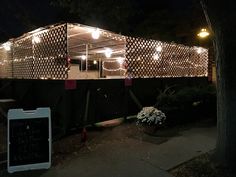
x,y
29,139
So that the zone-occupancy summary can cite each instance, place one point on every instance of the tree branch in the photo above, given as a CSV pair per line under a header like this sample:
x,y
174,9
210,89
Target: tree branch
x,y
204,8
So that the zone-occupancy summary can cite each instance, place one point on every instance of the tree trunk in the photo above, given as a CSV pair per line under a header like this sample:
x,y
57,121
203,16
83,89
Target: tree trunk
x,y
221,17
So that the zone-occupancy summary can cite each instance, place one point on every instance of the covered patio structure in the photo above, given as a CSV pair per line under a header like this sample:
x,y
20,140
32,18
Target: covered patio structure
x,y
75,51
35,67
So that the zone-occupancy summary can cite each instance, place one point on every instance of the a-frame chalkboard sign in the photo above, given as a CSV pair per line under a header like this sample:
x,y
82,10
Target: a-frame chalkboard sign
x,y
29,139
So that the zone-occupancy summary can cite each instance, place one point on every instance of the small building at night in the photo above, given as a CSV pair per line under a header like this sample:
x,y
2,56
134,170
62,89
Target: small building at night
x,y
77,52
84,73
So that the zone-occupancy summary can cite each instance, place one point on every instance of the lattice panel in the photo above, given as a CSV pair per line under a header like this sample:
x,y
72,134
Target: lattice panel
x,y
149,58
5,63
23,58
41,55
50,59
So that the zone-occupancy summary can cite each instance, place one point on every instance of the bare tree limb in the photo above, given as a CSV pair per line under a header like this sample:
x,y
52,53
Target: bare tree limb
x,y
204,8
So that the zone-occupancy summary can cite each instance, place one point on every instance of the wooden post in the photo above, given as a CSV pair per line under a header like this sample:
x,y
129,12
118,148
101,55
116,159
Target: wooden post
x,y
135,99
84,131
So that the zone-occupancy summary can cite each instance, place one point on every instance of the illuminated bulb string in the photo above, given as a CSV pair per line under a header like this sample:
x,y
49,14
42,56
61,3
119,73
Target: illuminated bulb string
x,y
36,40
39,59
112,70
7,46
174,63
113,36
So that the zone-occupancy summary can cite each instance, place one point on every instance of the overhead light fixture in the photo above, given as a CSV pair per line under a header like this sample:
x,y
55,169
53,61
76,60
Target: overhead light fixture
x,y
203,33
83,57
108,52
7,46
96,34
36,40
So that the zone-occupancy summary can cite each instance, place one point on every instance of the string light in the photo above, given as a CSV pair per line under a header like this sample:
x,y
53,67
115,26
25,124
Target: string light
x,y
158,48
7,46
36,40
113,36
113,61
199,50
156,56
120,60
112,70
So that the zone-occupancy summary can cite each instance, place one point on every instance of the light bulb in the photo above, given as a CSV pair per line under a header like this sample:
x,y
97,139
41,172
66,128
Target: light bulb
x,y
203,33
36,40
156,57
108,52
199,50
96,34
95,62
7,46
120,60
83,57
159,49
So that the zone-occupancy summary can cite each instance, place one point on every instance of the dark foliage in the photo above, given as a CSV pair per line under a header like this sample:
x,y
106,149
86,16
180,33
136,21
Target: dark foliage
x,y
187,104
162,20
201,166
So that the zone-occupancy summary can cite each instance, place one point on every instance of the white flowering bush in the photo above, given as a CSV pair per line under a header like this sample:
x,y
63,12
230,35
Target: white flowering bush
x,y
151,116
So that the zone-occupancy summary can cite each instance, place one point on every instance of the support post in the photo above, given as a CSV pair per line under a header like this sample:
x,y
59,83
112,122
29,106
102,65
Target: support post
x,y
86,57
84,131
135,99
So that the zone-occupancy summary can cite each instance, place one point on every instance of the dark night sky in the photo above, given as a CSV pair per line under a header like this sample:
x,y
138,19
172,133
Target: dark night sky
x,y
18,17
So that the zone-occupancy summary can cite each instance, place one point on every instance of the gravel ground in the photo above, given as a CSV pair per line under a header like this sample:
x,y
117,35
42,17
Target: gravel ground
x,y
3,136
202,166
71,146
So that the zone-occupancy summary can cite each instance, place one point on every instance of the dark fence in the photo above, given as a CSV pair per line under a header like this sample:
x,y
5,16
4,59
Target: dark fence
x,y
108,99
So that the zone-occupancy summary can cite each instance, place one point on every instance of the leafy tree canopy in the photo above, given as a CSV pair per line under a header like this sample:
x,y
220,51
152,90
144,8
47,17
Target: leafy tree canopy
x,y
164,20
168,20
